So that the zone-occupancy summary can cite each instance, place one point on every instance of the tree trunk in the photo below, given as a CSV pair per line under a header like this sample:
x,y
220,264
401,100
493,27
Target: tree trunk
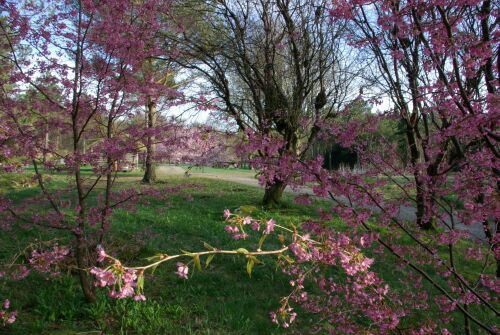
x,y
150,168
46,145
424,220
85,281
273,193
105,220
490,237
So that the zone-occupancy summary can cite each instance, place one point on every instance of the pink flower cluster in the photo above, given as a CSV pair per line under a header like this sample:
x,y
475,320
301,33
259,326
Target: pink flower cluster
x,y
352,286
350,290
235,232
236,226
20,273
7,317
284,316
48,261
123,283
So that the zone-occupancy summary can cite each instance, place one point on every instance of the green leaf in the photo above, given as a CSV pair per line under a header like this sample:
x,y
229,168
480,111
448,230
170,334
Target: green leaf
x,y
287,258
250,265
208,246
196,260
154,258
242,251
188,253
261,241
140,283
209,259
247,210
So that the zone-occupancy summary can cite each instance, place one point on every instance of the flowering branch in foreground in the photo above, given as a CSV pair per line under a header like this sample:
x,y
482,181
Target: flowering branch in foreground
x,y
300,256
129,281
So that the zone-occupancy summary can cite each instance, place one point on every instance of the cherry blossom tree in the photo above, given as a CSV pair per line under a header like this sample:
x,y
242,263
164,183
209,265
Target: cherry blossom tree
x,y
202,146
92,51
436,63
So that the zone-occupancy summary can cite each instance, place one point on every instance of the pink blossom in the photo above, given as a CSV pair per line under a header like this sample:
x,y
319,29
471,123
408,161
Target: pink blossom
x,y
12,317
101,254
103,277
48,261
303,199
231,229
139,297
21,273
5,316
241,236
182,270
269,226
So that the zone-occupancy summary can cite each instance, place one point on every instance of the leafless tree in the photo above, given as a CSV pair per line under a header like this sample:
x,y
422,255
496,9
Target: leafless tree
x,y
278,67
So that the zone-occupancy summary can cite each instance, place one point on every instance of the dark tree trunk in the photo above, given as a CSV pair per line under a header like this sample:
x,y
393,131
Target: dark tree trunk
x,y
82,251
105,223
81,260
273,193
423,220
490,236
149,166
46,145
498,267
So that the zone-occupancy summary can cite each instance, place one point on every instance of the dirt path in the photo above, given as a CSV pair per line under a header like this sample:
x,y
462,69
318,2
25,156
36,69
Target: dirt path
x,y
406,213
245,180
169,170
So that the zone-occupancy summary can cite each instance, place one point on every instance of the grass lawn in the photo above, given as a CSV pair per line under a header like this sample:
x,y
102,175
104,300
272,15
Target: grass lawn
x,y
223,171
220,300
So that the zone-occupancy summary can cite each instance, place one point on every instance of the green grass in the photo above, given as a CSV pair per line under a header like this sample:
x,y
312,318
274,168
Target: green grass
x,y
224,171
220,300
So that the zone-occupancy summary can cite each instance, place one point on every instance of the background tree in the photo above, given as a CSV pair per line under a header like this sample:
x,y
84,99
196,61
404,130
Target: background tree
x,y
158,78
278,69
